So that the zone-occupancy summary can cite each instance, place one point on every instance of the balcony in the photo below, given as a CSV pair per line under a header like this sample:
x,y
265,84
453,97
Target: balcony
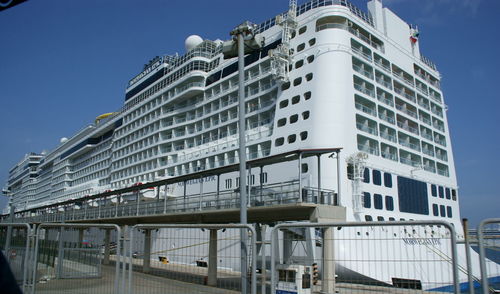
x,y
407,125
405,92
410,159
385,97
364,87
366,71
365,105
389,152
403,76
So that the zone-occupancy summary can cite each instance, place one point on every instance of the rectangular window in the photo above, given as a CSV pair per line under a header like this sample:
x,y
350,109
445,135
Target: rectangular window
x,y
448,193
377,177
366,175
367,202
454,194
388,180
442,210
441,192
435,209
448,211
377,201
433,190
389,203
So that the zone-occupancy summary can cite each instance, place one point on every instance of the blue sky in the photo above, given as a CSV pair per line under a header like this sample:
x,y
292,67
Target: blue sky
x,y
62,63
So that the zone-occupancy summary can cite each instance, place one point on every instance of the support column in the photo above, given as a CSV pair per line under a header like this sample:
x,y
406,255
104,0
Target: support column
x,y
319,175
300,177
263,264
218,191
261,180
287,246
328,280
81,233
185,195
146,259
107,240
165,195
212,259
60,253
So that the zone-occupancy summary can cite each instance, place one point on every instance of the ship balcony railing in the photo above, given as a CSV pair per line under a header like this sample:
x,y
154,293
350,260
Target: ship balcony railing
x,y
383,82
404,79
408,161
389,155
182,89
366,109
439,126
430,168
425,120
362,71
410,145
259,196
443,172
440,142
385,100
368,149
360,52
436,97
383,66
364,90
427,151
366,129
424,105
406,110
427,136
422,90
389,137
403,93
408,128
386,118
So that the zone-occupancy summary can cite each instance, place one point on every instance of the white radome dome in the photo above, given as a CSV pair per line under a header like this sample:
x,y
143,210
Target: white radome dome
x,y
192,41
63,140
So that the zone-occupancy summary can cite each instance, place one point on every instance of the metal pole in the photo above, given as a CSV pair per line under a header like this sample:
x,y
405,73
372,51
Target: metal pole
x,y
300,176
465,223
338,179
9,231
242,158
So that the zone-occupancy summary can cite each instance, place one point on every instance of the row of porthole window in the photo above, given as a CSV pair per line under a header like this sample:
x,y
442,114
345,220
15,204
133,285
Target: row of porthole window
x,y
378,201
295,99
297,81
293,118
377,177
290,139
302,46
443,192
441,210
300,63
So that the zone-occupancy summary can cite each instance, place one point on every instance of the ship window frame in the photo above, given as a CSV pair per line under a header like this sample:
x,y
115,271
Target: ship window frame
x,y
279,142
283,103
295,99
387,180
306,114
367,200
307,95
435,209
366,175
389,203
312,42
292,138
302,30
378,201
376,177
309,76
299,64
301,47
281,122
303,135
310,59
294,118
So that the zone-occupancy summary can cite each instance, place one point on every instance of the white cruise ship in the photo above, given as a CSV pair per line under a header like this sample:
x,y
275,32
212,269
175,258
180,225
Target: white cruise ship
x,y
352,80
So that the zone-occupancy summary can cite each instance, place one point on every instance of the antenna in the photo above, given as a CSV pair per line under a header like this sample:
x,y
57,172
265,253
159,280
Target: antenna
x,y
280,57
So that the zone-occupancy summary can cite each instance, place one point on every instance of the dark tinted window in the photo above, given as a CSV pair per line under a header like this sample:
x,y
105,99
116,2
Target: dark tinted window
x,y
412,195
377,201
367,201
448,211
448,193
366,175
441,192
442,210
434,190
377,177
435,210
380,218
389,203
368,218
454,194
388,180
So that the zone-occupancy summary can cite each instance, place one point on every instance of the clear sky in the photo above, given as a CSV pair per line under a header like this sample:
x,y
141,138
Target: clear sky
x,y
62,63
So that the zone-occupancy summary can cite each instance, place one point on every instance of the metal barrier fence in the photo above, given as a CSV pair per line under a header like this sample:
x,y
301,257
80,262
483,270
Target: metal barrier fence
x,y
77,258
15,241
358,257
192,259
488,234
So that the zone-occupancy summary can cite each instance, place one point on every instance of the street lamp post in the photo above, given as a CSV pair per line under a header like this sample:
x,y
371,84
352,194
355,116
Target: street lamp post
x,y
246,42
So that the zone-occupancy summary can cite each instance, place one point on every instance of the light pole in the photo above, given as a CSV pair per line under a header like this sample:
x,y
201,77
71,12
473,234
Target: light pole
x,y
246,42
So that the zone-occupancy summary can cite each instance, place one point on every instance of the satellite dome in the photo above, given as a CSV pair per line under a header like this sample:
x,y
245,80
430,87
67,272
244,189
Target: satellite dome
x,y
192,41
63,140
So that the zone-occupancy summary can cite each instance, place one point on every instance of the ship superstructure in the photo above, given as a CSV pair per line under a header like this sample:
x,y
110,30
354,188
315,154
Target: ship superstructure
x,y
347,79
